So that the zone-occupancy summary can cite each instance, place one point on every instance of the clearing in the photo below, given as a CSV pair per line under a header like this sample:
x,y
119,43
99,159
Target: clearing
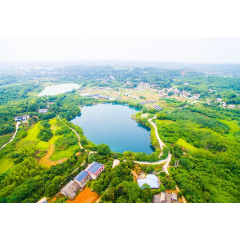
x,y
85,196
187,145
5,164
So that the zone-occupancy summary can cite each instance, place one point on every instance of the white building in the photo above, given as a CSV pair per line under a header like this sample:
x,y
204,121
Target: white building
x,y
21,118
43,110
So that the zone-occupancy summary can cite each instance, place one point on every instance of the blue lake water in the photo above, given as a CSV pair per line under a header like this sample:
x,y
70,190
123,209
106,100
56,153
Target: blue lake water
x,y
58,88
112,124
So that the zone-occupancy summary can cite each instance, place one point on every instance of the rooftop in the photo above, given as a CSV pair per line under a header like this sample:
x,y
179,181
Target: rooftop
x,y
81,176
94,168
151,180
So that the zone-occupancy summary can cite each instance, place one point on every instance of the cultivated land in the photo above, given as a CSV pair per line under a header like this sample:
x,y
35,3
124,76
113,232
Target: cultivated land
x,y
86,196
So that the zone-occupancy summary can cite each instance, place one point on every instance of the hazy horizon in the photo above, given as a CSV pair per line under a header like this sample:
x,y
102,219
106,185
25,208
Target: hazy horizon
x,y
165,50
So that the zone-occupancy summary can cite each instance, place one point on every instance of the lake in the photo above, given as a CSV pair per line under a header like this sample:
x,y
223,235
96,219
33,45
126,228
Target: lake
x,y
58,88
112,124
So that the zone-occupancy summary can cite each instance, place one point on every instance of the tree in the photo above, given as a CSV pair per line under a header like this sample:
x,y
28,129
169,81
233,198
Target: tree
x,y
103,149
161,116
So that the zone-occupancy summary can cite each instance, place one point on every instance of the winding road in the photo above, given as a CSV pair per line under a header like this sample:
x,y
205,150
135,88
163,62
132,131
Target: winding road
x,y
166,161
161,144
14,135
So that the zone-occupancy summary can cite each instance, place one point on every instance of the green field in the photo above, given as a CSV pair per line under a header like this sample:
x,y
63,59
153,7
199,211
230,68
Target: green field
x,y
5,164
164,122
186,145
57,155
234,127
31,138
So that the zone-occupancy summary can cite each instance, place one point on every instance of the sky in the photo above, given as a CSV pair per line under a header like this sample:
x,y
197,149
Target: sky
x,y
174,49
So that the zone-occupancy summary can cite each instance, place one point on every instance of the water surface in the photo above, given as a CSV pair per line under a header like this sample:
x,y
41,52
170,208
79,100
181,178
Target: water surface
x,y
112,124
59,88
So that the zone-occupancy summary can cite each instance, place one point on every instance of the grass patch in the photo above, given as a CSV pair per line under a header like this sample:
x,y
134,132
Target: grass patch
x,y
234,127
5,164
54,139
57,155
164,122
187,145
42,146
32,138
54,127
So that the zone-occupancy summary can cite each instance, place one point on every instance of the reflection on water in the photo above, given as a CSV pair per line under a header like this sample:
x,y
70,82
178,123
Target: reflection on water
x,y
112,124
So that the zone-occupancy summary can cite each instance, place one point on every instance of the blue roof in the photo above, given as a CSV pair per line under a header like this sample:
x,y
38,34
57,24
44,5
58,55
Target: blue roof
x,y
81,176
94,168
151,180
44,201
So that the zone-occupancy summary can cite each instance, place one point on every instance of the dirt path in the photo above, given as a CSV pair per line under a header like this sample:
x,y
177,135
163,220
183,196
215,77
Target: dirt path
x,y
14,135
161,143
46,161
183,198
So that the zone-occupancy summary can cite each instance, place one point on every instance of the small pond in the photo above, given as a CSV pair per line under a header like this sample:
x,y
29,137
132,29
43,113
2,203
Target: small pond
x,y
58,88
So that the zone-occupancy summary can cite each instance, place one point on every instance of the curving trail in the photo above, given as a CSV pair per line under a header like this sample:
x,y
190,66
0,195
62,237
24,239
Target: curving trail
x,y
14,135
79,143
161,143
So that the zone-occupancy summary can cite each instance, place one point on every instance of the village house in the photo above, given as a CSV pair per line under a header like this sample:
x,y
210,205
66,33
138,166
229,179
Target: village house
x,y
165,198
70,189
43,110
232,106
95,169
21,118
91,172
82,178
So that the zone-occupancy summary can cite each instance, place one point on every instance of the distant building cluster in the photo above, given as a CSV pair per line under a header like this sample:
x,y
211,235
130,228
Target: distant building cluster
x,y
157,107
224,104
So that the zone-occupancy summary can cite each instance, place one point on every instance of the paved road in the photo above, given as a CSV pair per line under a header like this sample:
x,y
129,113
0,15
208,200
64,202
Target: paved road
x,y
161,143
14,135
